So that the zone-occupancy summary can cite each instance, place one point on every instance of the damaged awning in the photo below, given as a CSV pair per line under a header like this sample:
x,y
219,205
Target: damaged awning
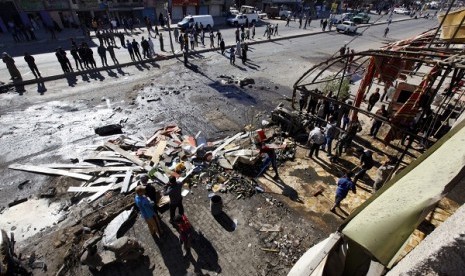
x,y
386,221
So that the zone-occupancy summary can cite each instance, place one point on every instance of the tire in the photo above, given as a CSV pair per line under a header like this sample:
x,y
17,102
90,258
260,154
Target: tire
x,y
254,21
283,17
209,27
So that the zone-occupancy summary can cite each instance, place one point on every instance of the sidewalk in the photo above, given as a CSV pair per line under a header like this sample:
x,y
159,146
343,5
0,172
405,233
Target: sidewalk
x,y
124,58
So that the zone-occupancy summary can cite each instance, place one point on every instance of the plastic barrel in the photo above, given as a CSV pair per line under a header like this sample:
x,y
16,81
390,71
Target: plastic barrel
x,y
216,205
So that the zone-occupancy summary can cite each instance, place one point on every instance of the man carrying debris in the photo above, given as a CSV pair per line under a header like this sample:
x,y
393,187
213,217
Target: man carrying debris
x,y
316,139
344,184
173,190
146,211
269,150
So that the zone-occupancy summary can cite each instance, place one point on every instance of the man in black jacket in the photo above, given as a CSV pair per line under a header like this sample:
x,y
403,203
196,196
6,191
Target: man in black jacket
x,y
32,64
173,190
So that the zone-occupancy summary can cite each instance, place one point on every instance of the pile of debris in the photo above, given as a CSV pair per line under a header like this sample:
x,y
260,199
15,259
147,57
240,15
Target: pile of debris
x,y
117,164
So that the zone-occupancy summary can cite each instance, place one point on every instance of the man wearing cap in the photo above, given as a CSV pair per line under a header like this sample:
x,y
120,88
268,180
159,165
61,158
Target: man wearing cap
x,y
173,190
366,163
146,211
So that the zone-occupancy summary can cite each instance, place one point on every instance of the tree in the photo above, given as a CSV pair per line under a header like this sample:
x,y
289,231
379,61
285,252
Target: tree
x,y
333,84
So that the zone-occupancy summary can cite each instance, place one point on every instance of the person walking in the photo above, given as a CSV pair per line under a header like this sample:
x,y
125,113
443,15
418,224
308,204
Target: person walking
x,y
185,54
386,31
176,33
288,19
162,45
145,48
10,65
271,154
77,59
316,139
102,52
191,40
325,23
238,49
267,29
232,56
382,112
300,22
135,48
237,34
181,41
276,29
111,51
90,56
253,30
83,55
366,163
373,99
222,47
344,185
32,64
173,190
130,50
146,210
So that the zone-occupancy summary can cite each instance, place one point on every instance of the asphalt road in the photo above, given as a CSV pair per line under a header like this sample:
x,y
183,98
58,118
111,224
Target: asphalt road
x,y
57,125
49,66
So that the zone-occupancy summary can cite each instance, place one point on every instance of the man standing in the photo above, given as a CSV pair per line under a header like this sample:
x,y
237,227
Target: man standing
x,y
373,99
331,132
218,37
382,112
32,64
288,19
212,40
145,48
222,47
10,65
316,138
111,51
135,48
62,60
245,48
130,50
232,56
151,193
271,153
146,211
102,52
344,184
276,29
76,57
173,190
253,30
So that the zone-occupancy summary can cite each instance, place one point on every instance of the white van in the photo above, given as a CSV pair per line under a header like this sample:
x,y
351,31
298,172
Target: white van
x,y
189,22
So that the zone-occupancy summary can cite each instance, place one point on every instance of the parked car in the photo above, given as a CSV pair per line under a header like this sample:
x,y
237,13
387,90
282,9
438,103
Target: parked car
x,y
347,27
189,22
339,18
361,18
241,19
401,11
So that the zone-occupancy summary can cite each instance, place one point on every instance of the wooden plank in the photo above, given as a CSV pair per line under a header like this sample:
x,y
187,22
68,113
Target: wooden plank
x,y
126,181
94,189
159,151
227,142
127,155
70,166
37,169
108,169
100,193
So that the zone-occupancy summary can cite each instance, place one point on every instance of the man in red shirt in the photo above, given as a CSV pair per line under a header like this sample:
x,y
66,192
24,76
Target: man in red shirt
x,y
270,151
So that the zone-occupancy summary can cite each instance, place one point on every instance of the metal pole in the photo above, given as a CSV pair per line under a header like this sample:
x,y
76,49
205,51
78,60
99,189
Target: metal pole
x,y
169,27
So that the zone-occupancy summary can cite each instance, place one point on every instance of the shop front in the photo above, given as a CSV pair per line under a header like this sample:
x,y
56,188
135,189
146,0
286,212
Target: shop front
x,y
181,8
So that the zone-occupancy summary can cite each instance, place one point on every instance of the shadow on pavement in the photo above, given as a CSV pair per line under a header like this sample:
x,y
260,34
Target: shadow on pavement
x,y
287,190
207,255
135,267
225,221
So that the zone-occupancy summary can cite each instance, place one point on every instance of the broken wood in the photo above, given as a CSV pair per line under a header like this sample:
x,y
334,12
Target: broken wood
x,y
127,180
107,169
128,156
37,169
94,189
227,142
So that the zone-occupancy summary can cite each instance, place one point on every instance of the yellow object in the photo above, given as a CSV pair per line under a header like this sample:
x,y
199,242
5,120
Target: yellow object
x,y
450,25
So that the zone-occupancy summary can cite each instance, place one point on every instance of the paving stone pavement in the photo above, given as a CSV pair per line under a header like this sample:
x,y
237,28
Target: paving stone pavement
x,y
230,245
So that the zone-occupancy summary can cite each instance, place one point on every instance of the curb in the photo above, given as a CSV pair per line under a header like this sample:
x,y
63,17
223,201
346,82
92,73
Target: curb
x,y
170,56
